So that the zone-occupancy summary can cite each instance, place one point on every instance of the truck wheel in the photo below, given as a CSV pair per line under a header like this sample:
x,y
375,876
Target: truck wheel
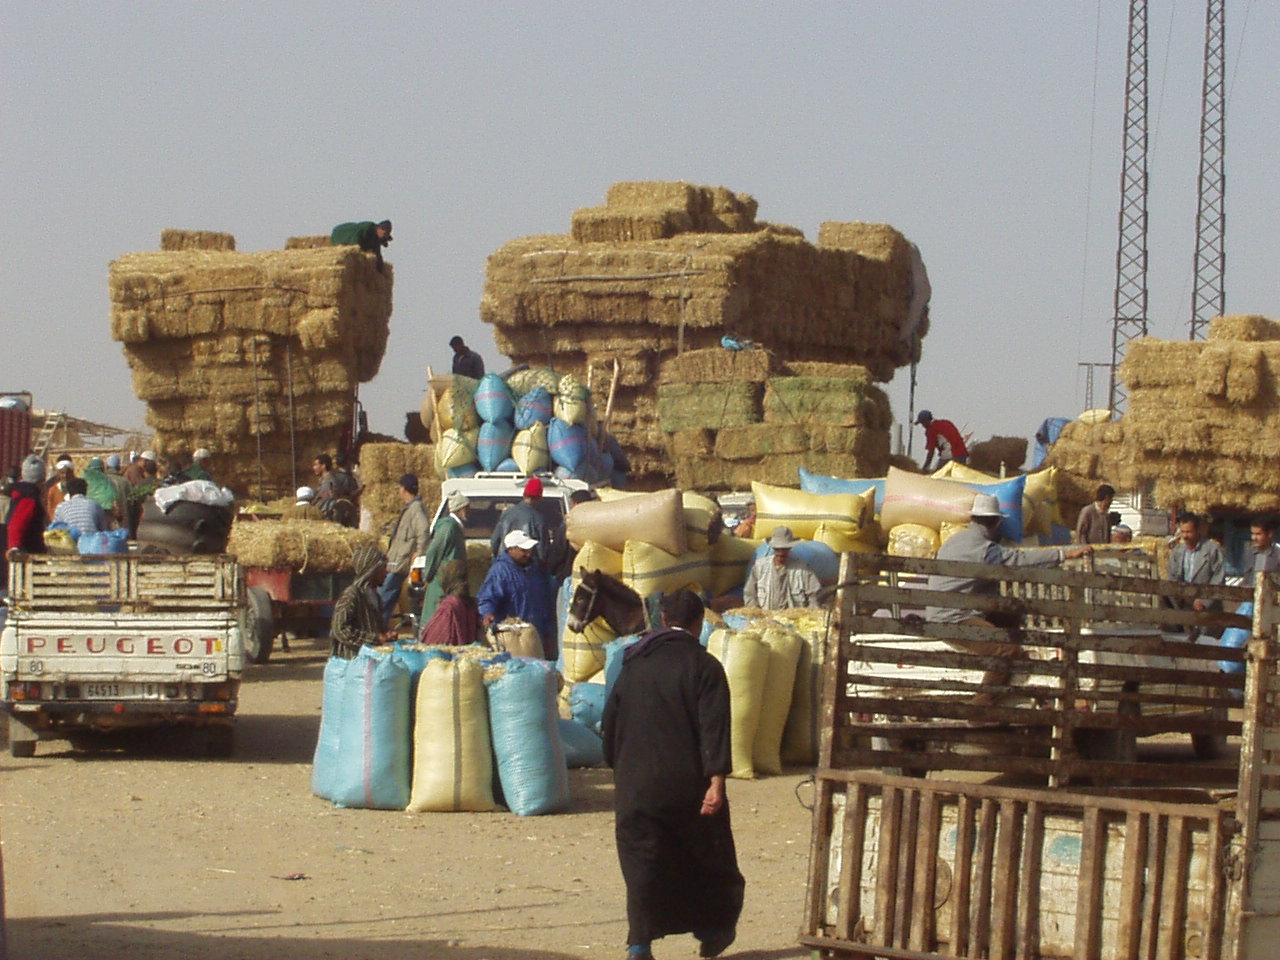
x,y
22,748
1211,746
22,739
259,626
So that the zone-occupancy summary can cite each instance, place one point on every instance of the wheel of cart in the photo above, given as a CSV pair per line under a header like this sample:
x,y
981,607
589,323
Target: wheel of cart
x,y
283,601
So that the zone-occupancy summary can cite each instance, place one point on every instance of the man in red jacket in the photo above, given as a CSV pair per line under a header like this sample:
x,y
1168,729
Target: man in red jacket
x,y
942,437
27,518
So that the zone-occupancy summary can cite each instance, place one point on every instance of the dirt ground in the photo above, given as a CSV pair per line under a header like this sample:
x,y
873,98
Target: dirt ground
x,y
152,852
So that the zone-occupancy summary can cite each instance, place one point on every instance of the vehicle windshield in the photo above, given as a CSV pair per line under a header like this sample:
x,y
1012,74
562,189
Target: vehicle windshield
x,y
485,511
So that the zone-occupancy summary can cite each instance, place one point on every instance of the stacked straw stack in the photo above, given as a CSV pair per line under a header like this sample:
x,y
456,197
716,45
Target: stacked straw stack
x,y
1203,427
227,348
730,417
666,267
381,467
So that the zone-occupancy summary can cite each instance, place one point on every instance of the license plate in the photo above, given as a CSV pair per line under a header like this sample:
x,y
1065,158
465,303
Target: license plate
x,y
120,691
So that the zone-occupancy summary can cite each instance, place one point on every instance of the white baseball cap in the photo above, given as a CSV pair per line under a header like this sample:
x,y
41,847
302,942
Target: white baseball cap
x,y
518,538
201,454
305,493
148,455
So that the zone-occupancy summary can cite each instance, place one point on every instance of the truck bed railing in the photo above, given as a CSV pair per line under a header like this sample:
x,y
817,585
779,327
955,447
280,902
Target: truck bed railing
x,y
137,583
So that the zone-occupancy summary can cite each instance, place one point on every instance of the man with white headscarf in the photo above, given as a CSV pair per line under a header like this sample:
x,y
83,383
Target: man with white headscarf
x,y
357,615
445,569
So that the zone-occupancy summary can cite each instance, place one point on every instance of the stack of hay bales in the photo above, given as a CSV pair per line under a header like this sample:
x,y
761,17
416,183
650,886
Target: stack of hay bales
x,y
729,417
665,267
315,546
229,350
1203,427
999,455
381,467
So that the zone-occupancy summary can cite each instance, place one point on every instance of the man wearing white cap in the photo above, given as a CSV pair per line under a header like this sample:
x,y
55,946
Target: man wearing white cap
x,y
303,508
977,543
445,569
56,491
516,587
199,469
780,581
136,472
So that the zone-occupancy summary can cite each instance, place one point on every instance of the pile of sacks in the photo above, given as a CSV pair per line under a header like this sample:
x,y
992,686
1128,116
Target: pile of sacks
x,y
417,728
772,660
529,422
915,514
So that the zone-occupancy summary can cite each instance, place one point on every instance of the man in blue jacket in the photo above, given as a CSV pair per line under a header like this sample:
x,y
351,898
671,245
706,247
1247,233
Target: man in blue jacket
x,y
516,587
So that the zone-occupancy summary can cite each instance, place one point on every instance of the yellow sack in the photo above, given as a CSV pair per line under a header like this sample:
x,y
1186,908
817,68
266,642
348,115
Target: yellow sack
x,y
529,449
454,450
913,540
779,683
647,569
571,388
584,652
844,513
572,411
745,659
949,530
457,410
452,755
1042,488
800,735
656,518
595,556
952,470
59,542
731,558
833,536
520,639
701,517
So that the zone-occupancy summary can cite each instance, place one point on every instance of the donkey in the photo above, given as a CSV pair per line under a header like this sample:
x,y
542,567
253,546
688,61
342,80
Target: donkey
x,y
600,595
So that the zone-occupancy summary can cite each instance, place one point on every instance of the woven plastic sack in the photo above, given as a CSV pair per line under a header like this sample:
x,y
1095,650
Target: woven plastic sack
x,y
780,680
494,445
647,569
955,470
527,380
367,743
800,735
595,556
702,521
453,450
614,652
107,541
526,738
731,558
534,407
1011,494
913,540
1042,490
457,408
571,388
452,756
577,412
520,639
508,465
656,518
820,483
586,704
746,663
846,513
529,449
583,653
836,536
493,399
582,746
567,444
324,765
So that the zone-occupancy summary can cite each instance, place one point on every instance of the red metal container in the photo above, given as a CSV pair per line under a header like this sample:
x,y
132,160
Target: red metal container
x,y
15,437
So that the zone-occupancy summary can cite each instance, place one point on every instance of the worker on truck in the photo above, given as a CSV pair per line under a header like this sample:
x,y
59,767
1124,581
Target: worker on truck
x,y
941,437
977,543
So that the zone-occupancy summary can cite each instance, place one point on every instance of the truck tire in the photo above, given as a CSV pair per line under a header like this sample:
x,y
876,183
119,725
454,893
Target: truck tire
x,y
259,626
22,749
219,742
1211,746
22,739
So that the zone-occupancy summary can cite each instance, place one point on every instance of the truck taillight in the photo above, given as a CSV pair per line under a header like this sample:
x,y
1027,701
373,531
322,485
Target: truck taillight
x,y
25,691
218,691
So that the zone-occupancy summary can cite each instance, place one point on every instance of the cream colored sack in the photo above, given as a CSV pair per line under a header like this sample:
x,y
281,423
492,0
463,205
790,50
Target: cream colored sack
x,y
520,639
731,558
701,514
584,652
844,514
913,540
593,556
746,662
867,540
800,736
529,449
453,450
646,569
452,754
1042,489
948,531
779,684
912,498
656,518
953,470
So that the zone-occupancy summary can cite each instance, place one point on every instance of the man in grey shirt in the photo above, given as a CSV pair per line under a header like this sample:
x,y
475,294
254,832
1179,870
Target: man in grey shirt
x,y
780,581
977,543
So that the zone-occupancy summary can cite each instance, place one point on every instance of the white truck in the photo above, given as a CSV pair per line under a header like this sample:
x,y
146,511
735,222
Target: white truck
x,y
101,643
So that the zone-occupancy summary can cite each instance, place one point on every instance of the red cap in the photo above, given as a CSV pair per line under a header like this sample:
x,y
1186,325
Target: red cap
x,y
533,488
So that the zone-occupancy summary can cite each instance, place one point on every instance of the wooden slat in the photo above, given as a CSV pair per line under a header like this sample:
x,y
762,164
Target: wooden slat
x,y
1005,901
1177,862
1152,900
908,837
982,881
1088,942
851,851
819,863
887,864
962,877
1132,886
1028,889
925,884
1215,887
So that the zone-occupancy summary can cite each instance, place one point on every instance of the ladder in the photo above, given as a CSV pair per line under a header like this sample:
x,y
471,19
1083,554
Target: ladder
x,y
44,438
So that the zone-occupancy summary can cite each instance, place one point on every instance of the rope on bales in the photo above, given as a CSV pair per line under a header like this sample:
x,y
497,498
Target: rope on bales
x,y
667,274
164,295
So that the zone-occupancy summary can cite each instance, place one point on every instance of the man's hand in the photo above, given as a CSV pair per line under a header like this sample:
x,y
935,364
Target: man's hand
x,y
488,620
713,801
1077,552
1198,605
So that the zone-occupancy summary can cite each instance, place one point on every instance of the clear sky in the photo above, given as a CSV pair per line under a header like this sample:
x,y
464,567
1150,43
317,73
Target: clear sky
x,y
988,133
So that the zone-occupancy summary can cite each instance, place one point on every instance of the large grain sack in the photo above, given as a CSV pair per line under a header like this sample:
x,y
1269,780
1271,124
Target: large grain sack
x,y
836,536
702,521
519,638
493,400
495,444
567,443
533,407
582,746
452,756
1101,415
453,450
1010,494
367,742
572,411
731,558
779,684
595,556
811,482
647,569
1042,491
955,470
457,409
913,540
583,652
526,738
800,735
846,513
745,659
912,498
655,518
529,449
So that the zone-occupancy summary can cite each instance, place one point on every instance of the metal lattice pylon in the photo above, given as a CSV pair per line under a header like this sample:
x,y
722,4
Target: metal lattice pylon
x,y
1129,320
1209,296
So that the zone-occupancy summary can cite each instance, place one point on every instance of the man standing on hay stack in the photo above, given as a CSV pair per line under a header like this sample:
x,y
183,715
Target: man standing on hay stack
x,y
368,236
409,538
466,362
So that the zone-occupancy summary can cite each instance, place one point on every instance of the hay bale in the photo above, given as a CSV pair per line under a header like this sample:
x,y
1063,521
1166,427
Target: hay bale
x,y
697,442
682,406
308,242
822,368
1246,327
381,467
171,239
718,365
756,440
315,546
999,454
827,400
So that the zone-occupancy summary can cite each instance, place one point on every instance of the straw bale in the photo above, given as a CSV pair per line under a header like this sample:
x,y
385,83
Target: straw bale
x,y
696,442
682,406
757,440
822,368
827,400
381,467
1160,363
871,447
718,365
171,239
991,456
315,546
1246,327
307,242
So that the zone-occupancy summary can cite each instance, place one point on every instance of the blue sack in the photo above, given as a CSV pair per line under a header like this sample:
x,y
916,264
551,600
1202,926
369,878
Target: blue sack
x,y
820,483
493,399
372,756
567,443
324,764
508,465
1009,493
108,541
613,653
494,444
534,407
1236,638
526,739
466,470
586,704
582,747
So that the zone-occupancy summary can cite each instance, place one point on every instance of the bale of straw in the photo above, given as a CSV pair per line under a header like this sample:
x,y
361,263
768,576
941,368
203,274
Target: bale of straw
x,y
1246,327
826,400
307,242
171,239
756,440
305,546
682,406
999,453
718,365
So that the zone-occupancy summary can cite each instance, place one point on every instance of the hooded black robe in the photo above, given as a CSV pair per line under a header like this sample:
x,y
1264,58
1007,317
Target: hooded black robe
x,y
666,733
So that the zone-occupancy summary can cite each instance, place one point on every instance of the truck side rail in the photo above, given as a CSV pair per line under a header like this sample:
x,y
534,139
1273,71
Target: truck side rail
x,y
135,583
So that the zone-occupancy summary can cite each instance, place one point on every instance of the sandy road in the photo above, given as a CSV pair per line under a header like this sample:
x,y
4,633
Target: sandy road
x,y
150,852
